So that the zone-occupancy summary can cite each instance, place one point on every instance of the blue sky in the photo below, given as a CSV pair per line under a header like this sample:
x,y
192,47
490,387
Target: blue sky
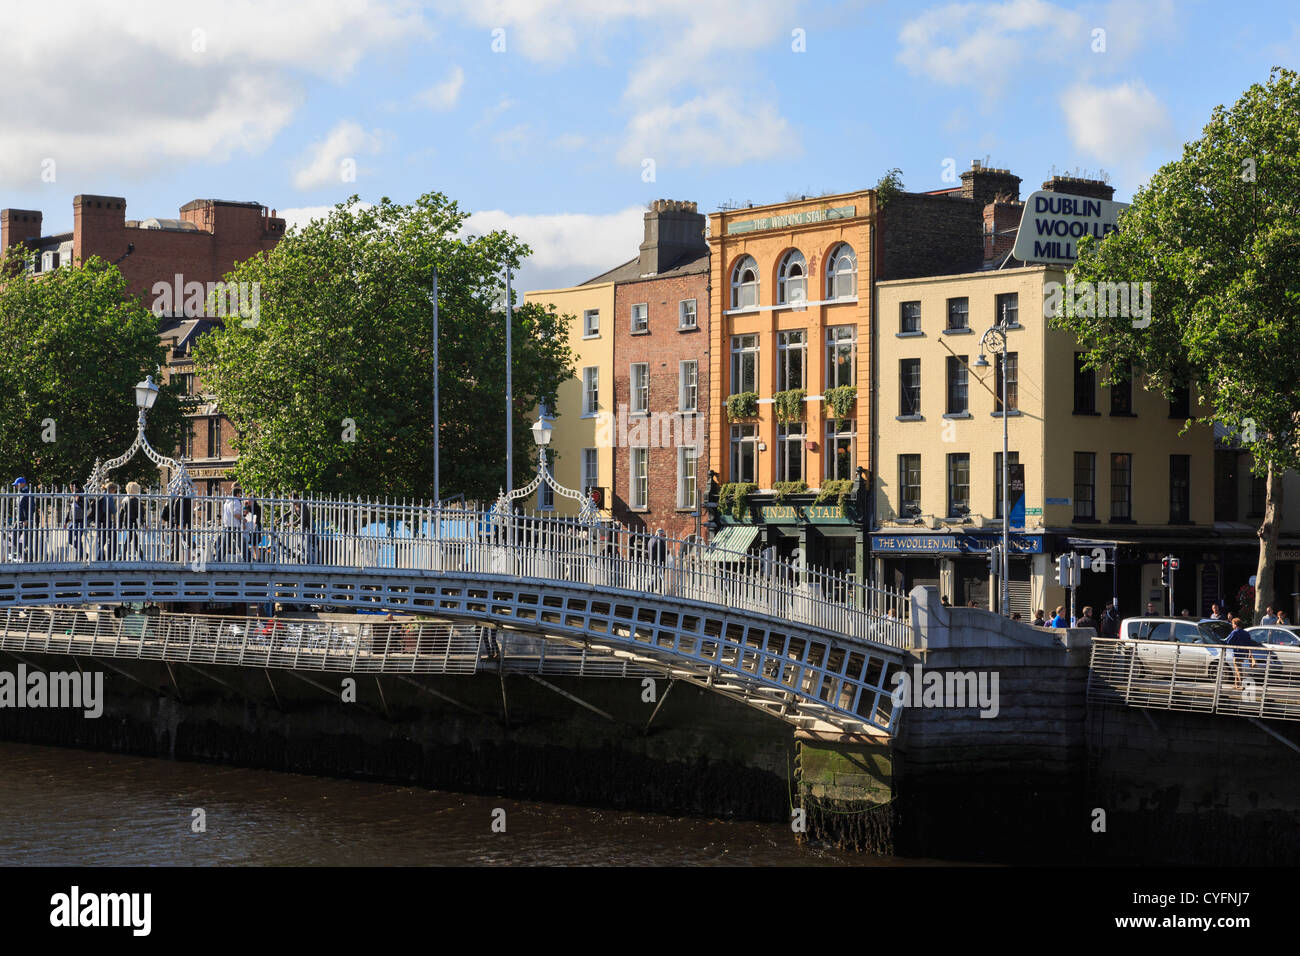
x,y
544,117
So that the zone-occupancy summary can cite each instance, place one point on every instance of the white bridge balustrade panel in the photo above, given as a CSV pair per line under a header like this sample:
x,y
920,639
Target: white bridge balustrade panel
x,y
802,643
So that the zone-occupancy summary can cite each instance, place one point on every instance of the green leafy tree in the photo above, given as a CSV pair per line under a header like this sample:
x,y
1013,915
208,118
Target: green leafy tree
x,y
1217,234
330,390
73,345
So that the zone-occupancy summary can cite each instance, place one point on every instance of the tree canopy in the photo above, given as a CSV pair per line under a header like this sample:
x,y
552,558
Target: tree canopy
x,y
330,388
74,347
1217,234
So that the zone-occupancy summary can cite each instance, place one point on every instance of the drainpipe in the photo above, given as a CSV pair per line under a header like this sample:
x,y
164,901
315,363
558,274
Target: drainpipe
x,y
868,561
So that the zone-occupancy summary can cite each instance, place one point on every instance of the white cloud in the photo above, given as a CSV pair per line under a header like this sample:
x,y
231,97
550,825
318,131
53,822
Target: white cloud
x,y
323,162
686,46
443,96
987,45
567,247
300,216
719,128
173,82
1119,125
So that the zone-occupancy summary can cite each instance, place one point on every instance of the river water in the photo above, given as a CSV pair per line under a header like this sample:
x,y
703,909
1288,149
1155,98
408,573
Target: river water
x,y
76,807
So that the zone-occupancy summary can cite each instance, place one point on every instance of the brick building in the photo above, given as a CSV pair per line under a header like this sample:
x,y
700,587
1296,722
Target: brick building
x,y
661,373
185,255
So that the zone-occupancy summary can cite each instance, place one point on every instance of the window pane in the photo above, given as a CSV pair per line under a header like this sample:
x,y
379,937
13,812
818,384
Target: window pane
x,y
1008,308
958,484
909,376
910,319
957,385
909,481
1084,484
1179,488
1085,387
1013,382
1013,458
1121,487
959,313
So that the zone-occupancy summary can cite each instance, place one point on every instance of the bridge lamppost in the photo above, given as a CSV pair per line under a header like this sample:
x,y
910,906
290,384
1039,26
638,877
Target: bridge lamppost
x,y
995,340
146,393
587,511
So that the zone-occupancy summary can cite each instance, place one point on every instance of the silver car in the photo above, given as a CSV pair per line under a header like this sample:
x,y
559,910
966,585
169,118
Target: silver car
x,y
1159,642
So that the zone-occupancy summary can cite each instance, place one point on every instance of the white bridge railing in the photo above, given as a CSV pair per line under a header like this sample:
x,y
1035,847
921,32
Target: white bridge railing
x,y
66,528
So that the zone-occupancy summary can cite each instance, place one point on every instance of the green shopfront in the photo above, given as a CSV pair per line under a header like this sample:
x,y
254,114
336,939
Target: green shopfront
x,y
830,537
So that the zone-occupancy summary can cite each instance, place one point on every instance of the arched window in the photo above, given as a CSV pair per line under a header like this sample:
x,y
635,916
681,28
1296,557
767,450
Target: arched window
x,y
791,284
744,283
842,272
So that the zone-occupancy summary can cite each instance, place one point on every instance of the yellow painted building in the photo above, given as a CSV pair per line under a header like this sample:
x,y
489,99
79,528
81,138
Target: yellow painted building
x,y
1106,471
578,459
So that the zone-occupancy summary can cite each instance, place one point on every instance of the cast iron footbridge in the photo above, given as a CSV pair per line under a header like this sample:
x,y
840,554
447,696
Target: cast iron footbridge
x,y
803,644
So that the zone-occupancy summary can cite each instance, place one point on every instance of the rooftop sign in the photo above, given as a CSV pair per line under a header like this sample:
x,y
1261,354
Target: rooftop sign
x,y
792,219
1053,223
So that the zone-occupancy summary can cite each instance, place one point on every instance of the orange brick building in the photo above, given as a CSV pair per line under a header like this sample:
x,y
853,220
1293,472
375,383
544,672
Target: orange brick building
x,y
791,303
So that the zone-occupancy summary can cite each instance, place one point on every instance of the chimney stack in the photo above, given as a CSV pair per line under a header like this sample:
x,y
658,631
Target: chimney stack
x,y
1074,186
673,228
985,184
19,225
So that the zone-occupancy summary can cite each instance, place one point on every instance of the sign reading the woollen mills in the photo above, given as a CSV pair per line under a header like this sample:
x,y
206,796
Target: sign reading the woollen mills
x,y
1053,223
792,219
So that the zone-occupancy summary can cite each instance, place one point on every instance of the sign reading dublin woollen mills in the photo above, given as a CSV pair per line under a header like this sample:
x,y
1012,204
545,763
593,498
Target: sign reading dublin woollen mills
x,y
1053,223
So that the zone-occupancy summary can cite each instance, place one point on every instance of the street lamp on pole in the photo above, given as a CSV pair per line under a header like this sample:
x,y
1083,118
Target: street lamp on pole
x,y
146,393
995,340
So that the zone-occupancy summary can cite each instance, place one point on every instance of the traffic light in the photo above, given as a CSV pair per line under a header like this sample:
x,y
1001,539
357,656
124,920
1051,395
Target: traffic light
x,y
1164,572
995,560
1063,571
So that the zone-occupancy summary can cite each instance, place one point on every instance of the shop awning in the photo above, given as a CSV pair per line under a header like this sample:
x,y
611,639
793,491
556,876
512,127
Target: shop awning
x,y
730,540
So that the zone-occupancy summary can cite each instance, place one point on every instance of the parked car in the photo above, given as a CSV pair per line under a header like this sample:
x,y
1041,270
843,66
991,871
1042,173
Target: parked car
x,y
1158,641
1276,635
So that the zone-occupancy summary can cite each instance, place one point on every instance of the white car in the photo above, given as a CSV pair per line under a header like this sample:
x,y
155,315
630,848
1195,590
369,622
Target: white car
x,y
1276,635
1159,641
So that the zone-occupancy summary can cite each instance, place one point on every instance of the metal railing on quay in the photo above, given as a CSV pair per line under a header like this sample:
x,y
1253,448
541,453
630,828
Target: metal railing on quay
x,y
1199,678
154,529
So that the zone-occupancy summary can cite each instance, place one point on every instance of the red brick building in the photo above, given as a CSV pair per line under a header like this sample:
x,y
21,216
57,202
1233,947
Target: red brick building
x,y
183,254
661,373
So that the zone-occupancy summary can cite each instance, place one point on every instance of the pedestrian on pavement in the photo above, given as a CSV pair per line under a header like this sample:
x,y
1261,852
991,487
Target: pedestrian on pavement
x,y
658,549
232,523
1087,620
21,537
178,515
1060,620
1109,625
1216,612
1270,617
1281,617
103,517
76,523
1040,618
1151,609
1241,642
130,516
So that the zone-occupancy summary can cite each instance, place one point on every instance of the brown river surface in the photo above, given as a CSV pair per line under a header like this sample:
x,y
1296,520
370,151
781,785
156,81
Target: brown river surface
x,y
75,807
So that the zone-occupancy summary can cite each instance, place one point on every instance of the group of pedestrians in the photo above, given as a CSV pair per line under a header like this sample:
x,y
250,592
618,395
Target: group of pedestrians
x,y
113,525
1107,625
